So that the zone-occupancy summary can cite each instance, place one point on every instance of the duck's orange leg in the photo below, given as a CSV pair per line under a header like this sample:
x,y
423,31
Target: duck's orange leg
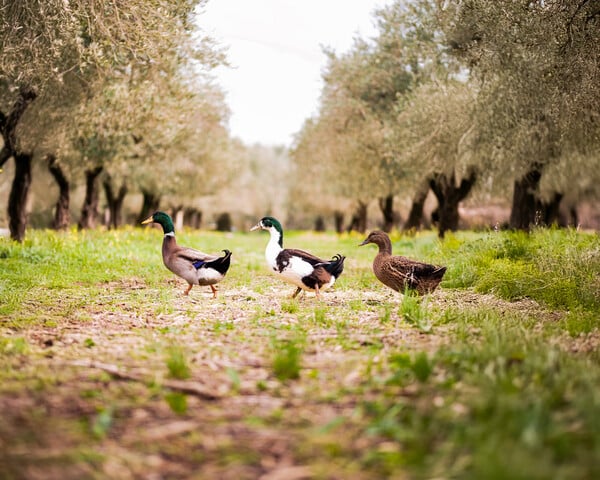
x,y
214,290
187,290
298,290
317,293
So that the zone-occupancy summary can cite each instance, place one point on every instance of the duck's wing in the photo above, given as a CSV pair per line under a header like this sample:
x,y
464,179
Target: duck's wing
x,y
305,256
193,256
413,267
413,273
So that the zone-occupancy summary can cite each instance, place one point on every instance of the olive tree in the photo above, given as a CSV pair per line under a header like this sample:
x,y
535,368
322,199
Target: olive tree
x,y
54,49
539,88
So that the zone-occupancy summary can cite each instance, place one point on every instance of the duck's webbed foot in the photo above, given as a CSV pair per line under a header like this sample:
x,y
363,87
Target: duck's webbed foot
x,y
187,290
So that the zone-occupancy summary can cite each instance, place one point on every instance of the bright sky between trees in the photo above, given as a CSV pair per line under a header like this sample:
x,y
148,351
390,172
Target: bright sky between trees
x,y
275,49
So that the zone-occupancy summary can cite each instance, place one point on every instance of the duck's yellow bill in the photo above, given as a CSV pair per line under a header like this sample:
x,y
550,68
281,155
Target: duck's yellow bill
x,y
148,220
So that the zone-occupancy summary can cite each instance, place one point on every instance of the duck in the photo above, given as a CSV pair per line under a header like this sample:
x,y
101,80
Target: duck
x,y
302,269
195,267
401,273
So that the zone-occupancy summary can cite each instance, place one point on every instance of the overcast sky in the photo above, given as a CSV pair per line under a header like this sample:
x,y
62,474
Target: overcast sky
x,y
274,47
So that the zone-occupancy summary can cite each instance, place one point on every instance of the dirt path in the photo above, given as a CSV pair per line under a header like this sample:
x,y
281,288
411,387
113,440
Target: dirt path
x,y
93,393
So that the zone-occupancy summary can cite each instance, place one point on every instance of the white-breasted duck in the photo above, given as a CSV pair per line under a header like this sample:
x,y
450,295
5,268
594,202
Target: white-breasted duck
x,y
195,267
300,268
401,273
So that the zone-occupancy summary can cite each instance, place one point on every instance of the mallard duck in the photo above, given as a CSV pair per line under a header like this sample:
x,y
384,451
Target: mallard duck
x,y
193,266
300,268
401,273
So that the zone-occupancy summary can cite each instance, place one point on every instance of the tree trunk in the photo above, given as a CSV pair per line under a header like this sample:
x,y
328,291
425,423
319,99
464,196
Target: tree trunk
x,y
62,216
359,218
89,210
573,216
338,218
17,200
550,211
224,223
177,215
8,124
149,205
319,224
413,222
193,218
525,203
386,206
115,202
449,196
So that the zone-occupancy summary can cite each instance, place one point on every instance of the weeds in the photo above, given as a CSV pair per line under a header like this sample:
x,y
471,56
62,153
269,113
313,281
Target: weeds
x,y
177,363
556,267
177,402
415,311
287,355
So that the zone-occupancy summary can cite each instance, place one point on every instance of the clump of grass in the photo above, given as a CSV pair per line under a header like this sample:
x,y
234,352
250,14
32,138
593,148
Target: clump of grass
x,y
408,368
177,363
386,315
290,306
415,311
287,358
177,402
102,422
13,346
320,316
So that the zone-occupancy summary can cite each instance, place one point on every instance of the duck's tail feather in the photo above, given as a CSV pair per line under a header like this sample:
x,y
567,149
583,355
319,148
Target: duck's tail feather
x,y
439,272
221,264
335,266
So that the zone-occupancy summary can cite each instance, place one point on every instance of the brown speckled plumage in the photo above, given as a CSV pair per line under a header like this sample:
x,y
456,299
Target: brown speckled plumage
x,y
401,273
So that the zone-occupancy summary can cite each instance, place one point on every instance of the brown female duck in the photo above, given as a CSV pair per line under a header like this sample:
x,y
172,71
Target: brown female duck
x,y
193,266
401,273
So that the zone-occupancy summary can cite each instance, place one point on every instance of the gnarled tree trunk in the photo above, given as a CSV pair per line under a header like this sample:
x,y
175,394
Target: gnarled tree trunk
x,y
89,210
449,196
358,222
549,211
17,201
525,201
338,218
114,201
413,222
150,205
62,216
386,205
192,217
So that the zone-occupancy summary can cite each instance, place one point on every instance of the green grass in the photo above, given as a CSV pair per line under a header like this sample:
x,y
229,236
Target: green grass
x,y
496,375
505,406
556,267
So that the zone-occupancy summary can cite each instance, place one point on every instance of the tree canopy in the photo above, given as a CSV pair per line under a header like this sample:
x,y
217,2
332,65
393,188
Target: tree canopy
x,y
503,93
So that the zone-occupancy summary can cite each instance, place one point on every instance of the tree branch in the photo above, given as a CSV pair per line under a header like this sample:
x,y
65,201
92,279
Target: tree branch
x,y
467,183
192,388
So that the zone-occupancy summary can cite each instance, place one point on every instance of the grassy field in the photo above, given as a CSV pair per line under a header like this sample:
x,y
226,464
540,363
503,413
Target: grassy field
x,y
107,371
